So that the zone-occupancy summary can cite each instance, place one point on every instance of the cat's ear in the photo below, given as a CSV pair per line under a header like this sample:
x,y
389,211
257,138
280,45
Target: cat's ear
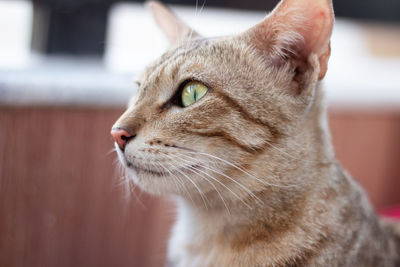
x,y
174,28
296,29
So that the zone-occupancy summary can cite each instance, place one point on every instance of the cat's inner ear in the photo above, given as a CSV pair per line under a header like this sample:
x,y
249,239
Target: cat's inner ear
x,y
296,29
175,29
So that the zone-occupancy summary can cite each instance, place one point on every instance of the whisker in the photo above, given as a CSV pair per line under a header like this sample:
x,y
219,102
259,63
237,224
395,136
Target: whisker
x,y
247,205
195,185
116,161
127,183
192,169
111,151
202,7
197,4
231,179
177,180
222,184
239,168
160,169
123,180
132,188
289,155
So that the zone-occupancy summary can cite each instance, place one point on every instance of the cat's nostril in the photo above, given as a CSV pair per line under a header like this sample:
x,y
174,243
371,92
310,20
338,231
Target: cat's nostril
x,y
121,137
126,138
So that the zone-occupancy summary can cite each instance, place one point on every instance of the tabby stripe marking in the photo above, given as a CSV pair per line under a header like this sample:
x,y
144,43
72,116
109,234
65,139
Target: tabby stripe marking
x,y
225,136
234,105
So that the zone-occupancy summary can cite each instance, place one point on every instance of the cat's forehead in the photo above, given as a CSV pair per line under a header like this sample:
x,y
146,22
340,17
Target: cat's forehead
x,y
226,63
198,56
199,50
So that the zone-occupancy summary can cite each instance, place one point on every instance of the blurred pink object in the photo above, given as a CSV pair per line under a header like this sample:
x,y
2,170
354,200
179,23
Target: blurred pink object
x,y
391,213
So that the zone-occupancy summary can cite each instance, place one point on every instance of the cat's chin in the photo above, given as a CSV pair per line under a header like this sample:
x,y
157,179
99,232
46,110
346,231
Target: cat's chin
x,y
142,171
152,182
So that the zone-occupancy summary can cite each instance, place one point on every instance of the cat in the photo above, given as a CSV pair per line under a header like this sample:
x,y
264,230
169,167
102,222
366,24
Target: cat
x,y
236,127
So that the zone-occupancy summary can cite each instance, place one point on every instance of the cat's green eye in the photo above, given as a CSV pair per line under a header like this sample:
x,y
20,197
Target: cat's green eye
x,y
193,92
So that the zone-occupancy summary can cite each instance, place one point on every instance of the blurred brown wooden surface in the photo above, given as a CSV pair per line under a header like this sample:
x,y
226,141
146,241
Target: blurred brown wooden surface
x,y
61,203
368,146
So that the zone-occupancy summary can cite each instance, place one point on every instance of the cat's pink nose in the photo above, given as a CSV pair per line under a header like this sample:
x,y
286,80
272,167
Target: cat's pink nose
x,y
121,137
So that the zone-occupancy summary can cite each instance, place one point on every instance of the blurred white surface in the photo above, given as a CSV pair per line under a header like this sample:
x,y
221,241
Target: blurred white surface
x,y
15,33
356,79
53,81
134,40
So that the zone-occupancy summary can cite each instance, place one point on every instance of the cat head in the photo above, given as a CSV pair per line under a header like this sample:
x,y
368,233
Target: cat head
x,y
211,113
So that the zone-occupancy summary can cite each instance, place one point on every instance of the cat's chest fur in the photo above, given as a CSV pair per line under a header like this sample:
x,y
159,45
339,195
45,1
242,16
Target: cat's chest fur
x,y
344,232
190,243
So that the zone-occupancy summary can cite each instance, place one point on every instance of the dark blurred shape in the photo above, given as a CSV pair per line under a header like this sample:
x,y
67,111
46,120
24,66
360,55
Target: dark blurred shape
x,y
78,31
382,10
73,27
77,27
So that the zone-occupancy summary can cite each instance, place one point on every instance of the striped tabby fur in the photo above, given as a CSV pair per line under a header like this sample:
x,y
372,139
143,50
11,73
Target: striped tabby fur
x,y
252,161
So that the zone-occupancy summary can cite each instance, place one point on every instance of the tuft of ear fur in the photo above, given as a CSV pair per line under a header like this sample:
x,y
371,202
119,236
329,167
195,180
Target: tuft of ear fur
x,y
174,29
296,29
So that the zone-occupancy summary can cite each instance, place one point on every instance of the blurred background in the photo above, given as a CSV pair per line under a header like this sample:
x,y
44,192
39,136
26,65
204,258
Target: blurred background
x,y
66,72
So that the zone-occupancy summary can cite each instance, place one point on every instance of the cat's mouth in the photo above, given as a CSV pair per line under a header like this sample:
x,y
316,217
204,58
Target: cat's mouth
x,y
139,169
162,173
